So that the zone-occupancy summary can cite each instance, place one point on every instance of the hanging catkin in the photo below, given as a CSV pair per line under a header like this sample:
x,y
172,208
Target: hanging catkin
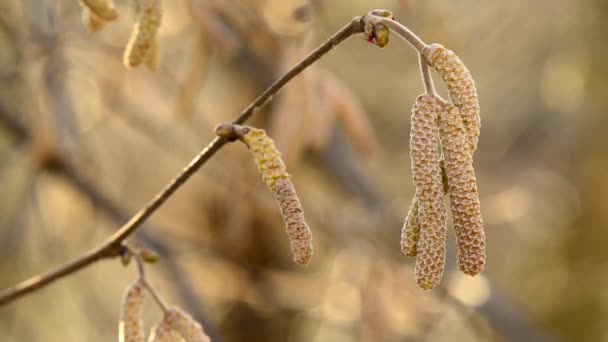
x,y
464,199
461,87
144,32
103,9
271,166
424,150
131,326
185,325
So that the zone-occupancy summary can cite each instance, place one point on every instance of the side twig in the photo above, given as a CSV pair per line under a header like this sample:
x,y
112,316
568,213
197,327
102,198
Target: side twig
x,y
111,247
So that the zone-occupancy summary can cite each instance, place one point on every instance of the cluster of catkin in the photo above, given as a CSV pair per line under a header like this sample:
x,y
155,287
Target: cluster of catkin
x,y
143,45
176,324
274,173
443,139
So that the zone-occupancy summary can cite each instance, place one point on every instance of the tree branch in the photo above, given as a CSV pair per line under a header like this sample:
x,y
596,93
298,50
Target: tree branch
x,y
111,247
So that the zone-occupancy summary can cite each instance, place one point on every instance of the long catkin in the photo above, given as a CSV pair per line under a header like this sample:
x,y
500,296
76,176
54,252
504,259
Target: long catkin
x,y
131,326
274,173
461,87
144,33
424,150
462,183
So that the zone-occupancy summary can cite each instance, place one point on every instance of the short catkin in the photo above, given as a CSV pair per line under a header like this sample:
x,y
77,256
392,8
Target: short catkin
x,y
424,150
410,233
131,326
189,329
144,33
461,87
274,173
462,183
103,9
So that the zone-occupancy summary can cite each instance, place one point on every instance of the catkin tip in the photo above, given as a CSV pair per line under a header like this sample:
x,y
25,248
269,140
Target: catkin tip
x,y
143,37
103,9
131,326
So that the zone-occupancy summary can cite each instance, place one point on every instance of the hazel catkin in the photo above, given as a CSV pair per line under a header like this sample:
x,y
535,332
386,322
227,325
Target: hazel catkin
x,y
274,173
182,323
164,333
103,9
424,150
461,87
462,183
131,326
143,38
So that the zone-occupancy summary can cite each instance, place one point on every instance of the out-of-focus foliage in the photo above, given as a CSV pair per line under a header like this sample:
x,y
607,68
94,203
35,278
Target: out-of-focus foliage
x,y
84,143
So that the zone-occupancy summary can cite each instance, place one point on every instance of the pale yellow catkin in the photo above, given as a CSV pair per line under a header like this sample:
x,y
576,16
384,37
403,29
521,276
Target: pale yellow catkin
x,y
144,33
462,183
131,326
104,9
424,150
274,173
189,329
92,21
461,87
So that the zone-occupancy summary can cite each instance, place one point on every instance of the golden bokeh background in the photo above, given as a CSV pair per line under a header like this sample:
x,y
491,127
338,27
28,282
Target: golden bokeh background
x,y
85,143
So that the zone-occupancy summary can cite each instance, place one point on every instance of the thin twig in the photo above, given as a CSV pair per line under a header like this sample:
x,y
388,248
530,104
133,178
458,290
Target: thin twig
x,y
429,87
111,247
141,270
400,30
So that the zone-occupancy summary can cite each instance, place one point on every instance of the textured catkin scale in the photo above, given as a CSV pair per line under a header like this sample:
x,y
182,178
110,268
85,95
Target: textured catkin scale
x,y
185,325
464,199
461,87
410,233
131,326
92,21
274,173
163,333
424,150
103,9
144,33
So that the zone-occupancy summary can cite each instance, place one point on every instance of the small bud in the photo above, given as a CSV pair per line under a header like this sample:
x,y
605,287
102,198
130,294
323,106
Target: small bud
x,y
131,327
144,33
461,87
274,174
185,325
464,199
147,255
103,9
125,256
